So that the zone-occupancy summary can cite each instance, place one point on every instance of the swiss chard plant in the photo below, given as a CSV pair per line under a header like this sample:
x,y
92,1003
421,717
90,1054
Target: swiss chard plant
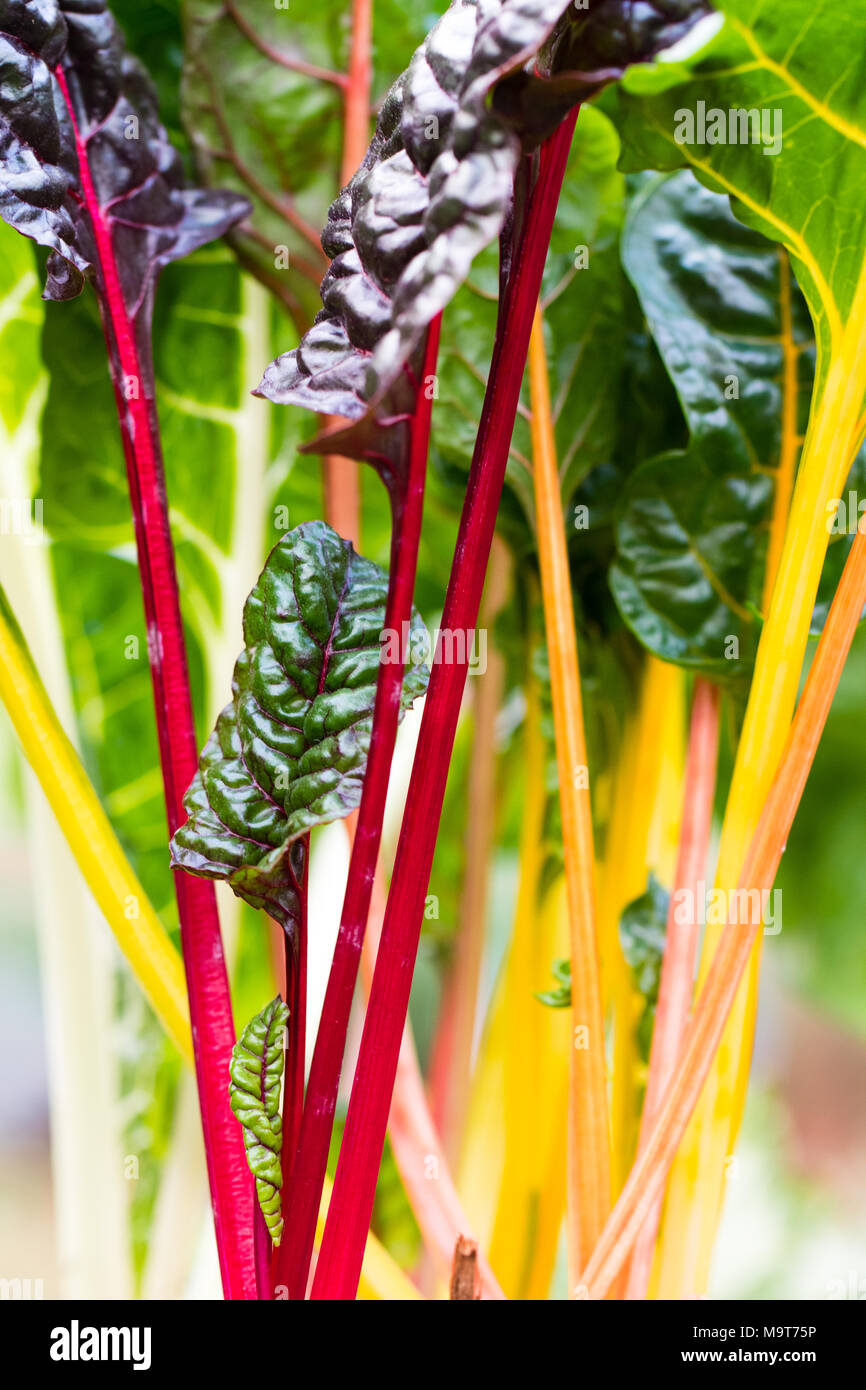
x,y
628,336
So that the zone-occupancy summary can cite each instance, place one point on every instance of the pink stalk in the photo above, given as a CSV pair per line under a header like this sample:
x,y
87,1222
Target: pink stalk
x,y
213,1033
681,943
418,1148
302,1195
339,1264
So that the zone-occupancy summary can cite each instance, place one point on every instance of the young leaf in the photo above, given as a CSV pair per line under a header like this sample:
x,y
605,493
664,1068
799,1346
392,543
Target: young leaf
x,y
254,1092
642,936
560,997
290,750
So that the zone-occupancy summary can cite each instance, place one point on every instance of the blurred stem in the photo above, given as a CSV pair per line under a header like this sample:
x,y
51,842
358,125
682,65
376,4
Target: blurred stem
x,y
730,960
341,476
681,942
649,791
460,1006
589,1135
89,835
418,1150
77,963
834,435
536,1046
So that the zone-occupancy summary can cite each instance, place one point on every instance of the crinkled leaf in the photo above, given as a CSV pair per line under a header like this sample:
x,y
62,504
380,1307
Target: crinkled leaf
x,y
254,1093
434,190
593,44
582,295
84,155
290,750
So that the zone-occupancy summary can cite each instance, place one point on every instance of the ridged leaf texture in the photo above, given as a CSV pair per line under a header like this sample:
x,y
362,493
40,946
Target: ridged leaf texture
x,y
436,187
290,750
254,1092
81,143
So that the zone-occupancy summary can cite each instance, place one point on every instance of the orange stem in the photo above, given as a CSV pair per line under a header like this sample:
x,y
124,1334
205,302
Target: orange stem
x,y
588,1165
647,1177
341,483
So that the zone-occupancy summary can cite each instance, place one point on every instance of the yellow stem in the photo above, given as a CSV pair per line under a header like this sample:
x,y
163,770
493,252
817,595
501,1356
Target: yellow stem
x,y
154,961
589,1194
719,990
695,1192
535,1043
649,796
121,899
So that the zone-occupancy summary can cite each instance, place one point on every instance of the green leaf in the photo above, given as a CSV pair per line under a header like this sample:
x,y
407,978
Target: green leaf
x,y
254,1093
686,571
582,294
797,60
559,998
212,327
642,932
735,337
718,301
263,102
290,751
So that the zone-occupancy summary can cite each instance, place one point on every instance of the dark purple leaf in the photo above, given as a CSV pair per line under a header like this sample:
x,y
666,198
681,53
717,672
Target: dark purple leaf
x,y
88,170
436,187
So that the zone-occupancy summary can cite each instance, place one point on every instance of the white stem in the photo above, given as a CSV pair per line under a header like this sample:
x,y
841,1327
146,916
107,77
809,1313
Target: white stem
x,y
78,959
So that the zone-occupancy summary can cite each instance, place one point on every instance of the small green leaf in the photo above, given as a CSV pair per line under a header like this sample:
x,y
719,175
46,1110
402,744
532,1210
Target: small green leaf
x,y
290,751
559,998
642,932
254,1094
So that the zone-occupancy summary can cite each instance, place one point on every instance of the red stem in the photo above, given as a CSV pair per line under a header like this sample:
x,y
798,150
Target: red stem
x,y
681,943
296,998
213,1033
418,1149
339,1264
304,1195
